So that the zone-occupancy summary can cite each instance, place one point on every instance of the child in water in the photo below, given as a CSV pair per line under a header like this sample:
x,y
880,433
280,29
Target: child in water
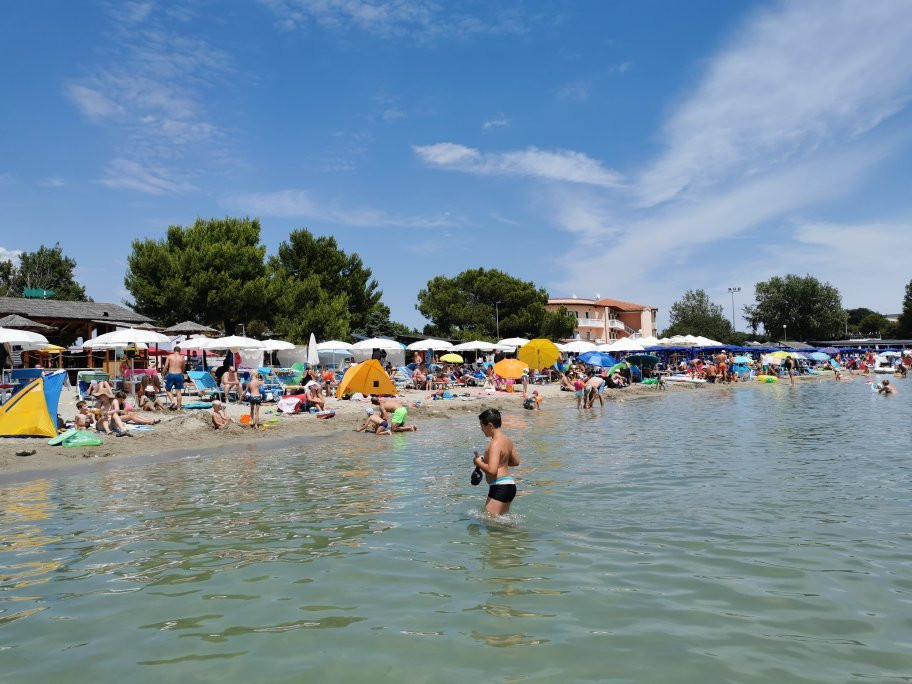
x,y
498,457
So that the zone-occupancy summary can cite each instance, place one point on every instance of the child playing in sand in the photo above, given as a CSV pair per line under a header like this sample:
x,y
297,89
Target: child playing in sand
x,y
219,417
375,424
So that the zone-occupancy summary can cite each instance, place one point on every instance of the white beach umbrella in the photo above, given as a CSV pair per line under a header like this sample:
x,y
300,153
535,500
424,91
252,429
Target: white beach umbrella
x,y
706,342
513,342
192,343
625,344
334,345
233,342
277,345
649,341
22,338
127,337
377,343
313,356
476,345
577,347
430,343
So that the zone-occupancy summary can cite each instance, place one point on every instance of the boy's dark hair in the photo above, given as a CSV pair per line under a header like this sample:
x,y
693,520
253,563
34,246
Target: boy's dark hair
x,y
80,405
490,416
120,395
375,400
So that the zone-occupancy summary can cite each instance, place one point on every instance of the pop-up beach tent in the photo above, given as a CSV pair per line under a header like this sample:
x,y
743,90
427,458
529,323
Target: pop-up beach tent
x,y
32,411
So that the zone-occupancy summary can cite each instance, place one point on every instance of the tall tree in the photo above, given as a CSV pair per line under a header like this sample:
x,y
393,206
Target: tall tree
x,y
695,314
211,272
904,325
379,324
337,273
468,305
809,309
855,316
44,269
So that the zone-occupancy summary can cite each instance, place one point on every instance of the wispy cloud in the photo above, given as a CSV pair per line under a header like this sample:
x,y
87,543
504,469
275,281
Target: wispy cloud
x,y
154,180
421,19
10,254
576,90
52,182
302,204
559,165
793,79
147,90
499,122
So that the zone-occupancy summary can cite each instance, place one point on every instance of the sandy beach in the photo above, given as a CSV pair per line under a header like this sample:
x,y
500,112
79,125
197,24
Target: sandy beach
x,y
191,430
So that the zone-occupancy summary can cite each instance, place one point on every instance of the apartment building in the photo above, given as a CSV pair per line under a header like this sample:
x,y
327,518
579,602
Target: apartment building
x,y
605,320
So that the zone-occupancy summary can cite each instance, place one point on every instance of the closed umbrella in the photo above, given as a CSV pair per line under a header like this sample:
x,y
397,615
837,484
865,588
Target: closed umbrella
x,y
539,353
367,377
512,369
313,357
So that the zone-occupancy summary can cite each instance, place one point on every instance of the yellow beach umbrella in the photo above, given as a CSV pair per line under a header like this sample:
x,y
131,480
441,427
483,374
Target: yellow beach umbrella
x,y
510,369
52,349
539,353
367,377
451,358
781,354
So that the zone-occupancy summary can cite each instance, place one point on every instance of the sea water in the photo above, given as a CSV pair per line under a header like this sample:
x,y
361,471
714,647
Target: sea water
x,y
751,534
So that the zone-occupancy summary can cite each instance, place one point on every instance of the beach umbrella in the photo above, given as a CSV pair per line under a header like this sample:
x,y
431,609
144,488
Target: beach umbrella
x,y
430,343
192,343
578,347
451,358
367,377
22,338
334,345
624,344
277,345
313,356
127,337
232,342
510,368
829,350
642,359
513,342
617,367
539,353
597,358
781,354
742,359
475,345
377,343
819,356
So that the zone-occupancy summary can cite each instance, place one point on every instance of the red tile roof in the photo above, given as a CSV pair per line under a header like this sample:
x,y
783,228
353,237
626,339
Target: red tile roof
x,y
623,306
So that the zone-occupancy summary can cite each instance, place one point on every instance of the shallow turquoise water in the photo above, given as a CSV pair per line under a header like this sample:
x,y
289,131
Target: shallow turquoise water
x,y
757,534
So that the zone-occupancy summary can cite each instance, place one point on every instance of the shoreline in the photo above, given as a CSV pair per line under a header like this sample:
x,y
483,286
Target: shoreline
x,y
174,437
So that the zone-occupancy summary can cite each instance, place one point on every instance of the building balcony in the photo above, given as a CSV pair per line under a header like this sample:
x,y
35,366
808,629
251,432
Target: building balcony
x,y
590,323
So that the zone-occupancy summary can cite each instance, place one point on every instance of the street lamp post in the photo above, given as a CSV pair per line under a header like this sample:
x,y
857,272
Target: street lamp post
x,y
497,316
784,337
732,291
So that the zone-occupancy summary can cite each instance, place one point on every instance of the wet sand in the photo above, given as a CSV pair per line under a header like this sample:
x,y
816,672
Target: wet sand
x,y
190,432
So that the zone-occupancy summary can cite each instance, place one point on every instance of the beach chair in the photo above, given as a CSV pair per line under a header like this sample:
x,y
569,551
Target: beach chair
x,y
402,378
205,385
272,389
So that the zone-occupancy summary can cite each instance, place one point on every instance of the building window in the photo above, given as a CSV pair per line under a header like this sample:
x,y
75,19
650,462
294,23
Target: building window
x,y
588,335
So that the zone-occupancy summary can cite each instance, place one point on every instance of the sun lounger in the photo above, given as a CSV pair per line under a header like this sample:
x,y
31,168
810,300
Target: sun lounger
x,y
205,385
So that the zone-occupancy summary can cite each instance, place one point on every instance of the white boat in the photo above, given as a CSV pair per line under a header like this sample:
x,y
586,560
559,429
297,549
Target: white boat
x,y
684,378
885,370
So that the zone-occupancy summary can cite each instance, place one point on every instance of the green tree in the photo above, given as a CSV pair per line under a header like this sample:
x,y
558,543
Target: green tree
x,y
379,324
465,307
695,314
211,272
876,324
811,310
337,273
855,316
44,269
904,325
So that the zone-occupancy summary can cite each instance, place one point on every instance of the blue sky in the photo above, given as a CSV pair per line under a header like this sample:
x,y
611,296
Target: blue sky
x,y
625,149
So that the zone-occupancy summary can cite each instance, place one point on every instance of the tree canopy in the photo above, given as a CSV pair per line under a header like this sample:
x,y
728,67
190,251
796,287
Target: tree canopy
x,y
467,306
210,272
215,272
44,269
810,309
904,325
696,314
876,324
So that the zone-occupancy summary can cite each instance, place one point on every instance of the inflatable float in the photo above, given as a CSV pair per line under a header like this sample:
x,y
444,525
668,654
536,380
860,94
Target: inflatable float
x,y
685,378
767,378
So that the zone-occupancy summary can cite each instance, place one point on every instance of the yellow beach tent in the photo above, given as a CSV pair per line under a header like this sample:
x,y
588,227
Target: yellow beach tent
x,y
32,411
367,377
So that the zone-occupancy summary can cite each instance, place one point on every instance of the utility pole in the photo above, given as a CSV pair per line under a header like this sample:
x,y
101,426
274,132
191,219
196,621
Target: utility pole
x,y
732,291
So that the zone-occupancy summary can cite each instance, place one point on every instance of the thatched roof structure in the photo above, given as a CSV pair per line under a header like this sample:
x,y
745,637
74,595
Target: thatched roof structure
x,y
22,323
190,328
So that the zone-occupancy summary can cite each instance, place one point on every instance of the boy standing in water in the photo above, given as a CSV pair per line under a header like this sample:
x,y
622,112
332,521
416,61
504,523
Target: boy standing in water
x,y
256,398
499,455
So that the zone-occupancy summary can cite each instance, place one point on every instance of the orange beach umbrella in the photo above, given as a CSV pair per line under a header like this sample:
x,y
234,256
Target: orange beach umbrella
x,y
367,377
510,369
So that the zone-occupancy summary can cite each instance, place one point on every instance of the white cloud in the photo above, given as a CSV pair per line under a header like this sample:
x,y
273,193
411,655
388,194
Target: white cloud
x,y
576,90
793,79
10,254
422,19
499,122
301,204
559,165
392,114
52,182
125,173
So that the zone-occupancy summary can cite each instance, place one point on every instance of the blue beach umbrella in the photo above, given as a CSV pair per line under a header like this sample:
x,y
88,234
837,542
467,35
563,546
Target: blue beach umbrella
x,y
742,359
596,358
819,356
